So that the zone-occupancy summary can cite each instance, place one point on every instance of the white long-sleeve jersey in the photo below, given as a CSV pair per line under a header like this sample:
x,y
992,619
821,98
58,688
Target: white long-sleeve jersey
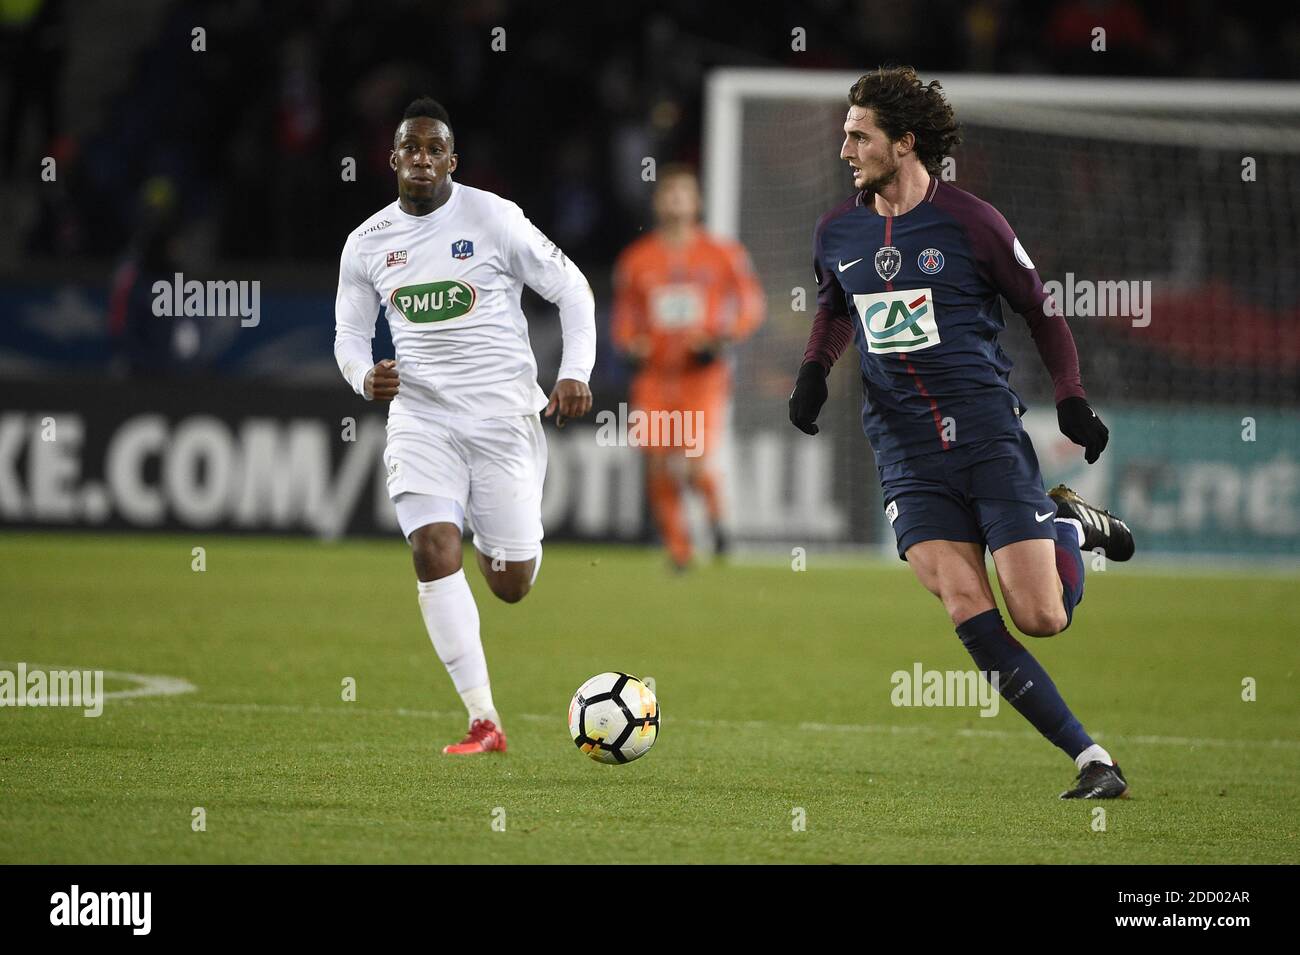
x,y
450,284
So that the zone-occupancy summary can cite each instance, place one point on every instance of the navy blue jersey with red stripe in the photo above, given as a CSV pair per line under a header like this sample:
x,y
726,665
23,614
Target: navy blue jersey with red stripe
x,y
922,291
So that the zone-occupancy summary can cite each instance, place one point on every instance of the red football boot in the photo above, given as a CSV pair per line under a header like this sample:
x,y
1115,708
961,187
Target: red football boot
x,y
483,737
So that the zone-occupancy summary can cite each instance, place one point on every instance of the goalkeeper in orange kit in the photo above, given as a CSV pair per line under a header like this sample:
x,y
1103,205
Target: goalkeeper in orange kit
x,y
680,297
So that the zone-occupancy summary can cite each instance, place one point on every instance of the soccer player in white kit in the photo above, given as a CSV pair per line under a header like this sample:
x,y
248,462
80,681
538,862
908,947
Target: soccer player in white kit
x,y
449,262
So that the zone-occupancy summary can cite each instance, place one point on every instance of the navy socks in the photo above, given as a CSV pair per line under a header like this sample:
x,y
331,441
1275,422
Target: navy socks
x,y
1022,681
1069,565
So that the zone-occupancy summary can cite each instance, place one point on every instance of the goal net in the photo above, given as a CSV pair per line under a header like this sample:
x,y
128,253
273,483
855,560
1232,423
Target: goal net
x,y
1169,215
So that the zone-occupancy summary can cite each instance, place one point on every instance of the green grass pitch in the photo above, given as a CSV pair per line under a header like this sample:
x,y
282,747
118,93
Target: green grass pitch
x,y
775,695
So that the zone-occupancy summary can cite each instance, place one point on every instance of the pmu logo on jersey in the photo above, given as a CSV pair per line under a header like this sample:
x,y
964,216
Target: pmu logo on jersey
x,y
898,321
889,261
930,261
462,249
434,301
397,258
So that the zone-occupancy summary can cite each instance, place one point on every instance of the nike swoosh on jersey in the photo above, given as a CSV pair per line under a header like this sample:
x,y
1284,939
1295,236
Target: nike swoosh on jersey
x,y
850,265
1042,517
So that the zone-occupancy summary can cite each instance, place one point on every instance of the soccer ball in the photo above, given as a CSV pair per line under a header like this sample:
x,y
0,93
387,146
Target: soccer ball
x,y
614,718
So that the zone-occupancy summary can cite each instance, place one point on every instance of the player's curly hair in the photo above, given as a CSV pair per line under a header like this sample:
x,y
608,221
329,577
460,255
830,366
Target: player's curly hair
x,y
427,107
903,104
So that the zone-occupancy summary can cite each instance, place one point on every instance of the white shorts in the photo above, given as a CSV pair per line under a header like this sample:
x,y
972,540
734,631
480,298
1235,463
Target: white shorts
x,y
490,470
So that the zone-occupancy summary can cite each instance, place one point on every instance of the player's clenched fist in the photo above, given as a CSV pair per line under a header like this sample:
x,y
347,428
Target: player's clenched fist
x,y
808,397
1081,425
381,381
571,398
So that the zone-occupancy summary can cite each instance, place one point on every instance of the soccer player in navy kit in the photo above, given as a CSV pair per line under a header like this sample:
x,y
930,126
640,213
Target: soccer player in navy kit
x,y
911,269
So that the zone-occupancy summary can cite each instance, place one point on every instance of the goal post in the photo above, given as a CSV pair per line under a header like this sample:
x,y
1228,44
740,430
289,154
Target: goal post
x,y
1167,215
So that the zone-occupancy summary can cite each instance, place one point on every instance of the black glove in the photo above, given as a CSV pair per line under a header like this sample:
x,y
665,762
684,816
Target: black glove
x,y
1081,425
808,397
700,357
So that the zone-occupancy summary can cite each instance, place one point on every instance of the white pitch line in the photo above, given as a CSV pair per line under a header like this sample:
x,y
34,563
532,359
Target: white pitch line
x,y
810,727
148,684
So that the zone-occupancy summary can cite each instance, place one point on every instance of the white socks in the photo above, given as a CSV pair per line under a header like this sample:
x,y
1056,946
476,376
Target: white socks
x,y
1078,528
1093,753
451,617
479,703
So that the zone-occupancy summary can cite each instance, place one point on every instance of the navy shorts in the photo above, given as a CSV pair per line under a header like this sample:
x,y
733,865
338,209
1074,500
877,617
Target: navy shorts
x,y
989,492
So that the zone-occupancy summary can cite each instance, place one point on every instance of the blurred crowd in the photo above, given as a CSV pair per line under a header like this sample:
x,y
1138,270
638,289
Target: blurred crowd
x,y
553,105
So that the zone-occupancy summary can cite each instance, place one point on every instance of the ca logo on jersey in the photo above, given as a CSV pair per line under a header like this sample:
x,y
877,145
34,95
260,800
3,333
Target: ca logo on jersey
x,y
898,321
434,301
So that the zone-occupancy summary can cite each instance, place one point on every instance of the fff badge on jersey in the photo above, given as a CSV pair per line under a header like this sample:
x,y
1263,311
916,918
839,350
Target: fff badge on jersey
x,y
462,249
889,262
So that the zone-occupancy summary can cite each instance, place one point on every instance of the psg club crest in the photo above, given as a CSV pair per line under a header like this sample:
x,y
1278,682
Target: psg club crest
x,y
889,262
462,249
930,261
